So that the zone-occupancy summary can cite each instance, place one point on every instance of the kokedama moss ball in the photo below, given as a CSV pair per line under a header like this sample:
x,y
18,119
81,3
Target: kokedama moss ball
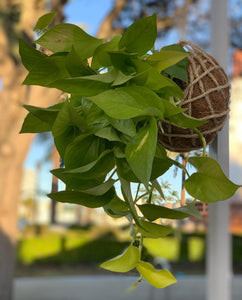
x,y
206,97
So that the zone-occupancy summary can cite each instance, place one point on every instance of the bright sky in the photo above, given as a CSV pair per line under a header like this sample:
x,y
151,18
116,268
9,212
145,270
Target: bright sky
x,y
89,15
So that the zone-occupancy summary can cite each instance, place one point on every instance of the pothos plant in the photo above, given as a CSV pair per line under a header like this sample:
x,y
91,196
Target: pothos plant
x,y
117,92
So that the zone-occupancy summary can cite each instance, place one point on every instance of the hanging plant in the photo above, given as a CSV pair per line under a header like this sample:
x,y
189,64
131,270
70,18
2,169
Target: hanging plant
x,y
106,129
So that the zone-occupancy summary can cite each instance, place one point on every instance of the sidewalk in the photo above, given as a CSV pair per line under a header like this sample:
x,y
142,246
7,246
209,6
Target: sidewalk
x,y
112,288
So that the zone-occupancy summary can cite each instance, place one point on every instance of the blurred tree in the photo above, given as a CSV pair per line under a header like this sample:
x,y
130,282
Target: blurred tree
x,y
17,19
188,19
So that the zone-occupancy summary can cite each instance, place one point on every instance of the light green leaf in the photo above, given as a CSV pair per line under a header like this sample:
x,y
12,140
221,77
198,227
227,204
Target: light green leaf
x,y
123,61
140,36
108,133
124,262
179,70
158,279
44,21
128,102
76,66
209,183
166,58
121,78
154,230
150,77
153,212
140,151
81,198
84,86
62,37
101,57
185,121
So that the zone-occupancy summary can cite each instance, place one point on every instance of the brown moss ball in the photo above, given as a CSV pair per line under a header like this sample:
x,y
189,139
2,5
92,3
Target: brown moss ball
x,y
206,97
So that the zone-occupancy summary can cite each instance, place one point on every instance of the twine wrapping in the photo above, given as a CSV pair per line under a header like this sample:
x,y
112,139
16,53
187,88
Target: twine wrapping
x,y
206,97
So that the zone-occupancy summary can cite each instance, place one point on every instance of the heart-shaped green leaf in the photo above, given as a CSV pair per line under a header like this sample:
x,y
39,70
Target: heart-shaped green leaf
x,y
209,183
132,101
44,21
140,36
124,262
158,279
62,37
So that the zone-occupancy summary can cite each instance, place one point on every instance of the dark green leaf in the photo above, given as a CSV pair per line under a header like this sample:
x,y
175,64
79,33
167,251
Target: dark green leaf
x,y
140,36
101,188
68,117
128,102
160,166
140,151
63,37
44,21
127,194
77,197
154,230
73,181
82,151
116,208
29,55
47,115
104,156
125,171
153,212
33,124
209,183
159,279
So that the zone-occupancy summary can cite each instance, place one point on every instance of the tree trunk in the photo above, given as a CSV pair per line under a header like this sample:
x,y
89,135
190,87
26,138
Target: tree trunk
x,y
17,19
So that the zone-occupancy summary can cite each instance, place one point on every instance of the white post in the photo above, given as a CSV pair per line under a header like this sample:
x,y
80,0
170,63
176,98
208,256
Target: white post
x,y
219,263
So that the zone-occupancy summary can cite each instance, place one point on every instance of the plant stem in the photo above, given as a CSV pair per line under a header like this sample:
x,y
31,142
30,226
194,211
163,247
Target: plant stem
x,y
202,140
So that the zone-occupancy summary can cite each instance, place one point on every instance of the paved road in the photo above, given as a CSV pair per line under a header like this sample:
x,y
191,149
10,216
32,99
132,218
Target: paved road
x,y
112,288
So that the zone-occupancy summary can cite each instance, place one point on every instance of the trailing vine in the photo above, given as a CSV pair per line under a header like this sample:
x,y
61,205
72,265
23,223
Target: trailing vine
x,y
106,128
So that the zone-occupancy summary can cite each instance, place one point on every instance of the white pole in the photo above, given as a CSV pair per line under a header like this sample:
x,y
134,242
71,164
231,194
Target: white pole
x,y
219,263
